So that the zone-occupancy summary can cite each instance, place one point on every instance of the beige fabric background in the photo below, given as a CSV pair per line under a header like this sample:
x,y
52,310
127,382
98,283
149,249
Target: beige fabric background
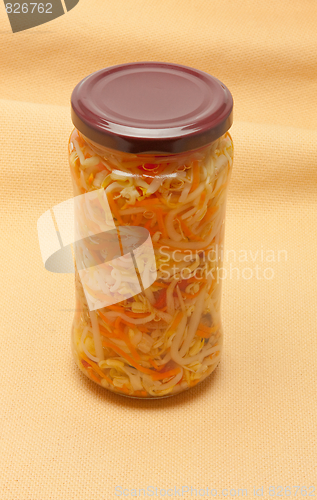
x,y
251,424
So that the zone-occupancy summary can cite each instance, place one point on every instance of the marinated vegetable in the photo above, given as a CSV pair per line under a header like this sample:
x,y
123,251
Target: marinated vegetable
x,y
167,337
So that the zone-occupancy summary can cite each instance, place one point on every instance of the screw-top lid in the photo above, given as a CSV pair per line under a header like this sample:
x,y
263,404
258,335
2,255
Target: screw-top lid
x,y
151,107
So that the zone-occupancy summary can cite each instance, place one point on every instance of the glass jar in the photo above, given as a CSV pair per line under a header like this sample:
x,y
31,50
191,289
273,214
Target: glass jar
x,y
150,159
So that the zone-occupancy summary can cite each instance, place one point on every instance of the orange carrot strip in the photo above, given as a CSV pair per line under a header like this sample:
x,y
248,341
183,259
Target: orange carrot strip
x,y
191,296
120,335
202,199
93,376
150,229
193,383
154,364
176,321
206,335
143,328
114,208
105,319
123,389
127,340
140,393
162,375
208,214
188,232
221,188
95,367
160,220
138,219
196,176
136,315
133,350
147,202
128,358
116,308
105,332
204,328
158,283
126,323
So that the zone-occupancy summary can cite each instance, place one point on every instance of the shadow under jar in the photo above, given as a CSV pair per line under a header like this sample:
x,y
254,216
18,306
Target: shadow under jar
x,y
151,159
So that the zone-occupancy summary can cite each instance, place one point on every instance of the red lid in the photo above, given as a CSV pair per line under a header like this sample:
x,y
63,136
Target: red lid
x,y
151,107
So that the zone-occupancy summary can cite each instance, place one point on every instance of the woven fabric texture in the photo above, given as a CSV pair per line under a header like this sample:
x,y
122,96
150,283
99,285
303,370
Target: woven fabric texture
x,y
251,424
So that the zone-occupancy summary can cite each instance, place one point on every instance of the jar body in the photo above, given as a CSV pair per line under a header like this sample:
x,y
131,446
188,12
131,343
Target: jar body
x,y
158,336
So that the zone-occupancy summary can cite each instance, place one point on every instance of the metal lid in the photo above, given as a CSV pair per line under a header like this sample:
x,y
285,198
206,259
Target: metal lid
x,y
151,107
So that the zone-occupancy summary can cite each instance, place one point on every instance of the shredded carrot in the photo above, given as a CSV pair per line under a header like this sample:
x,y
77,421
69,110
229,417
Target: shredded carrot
x,y
196,176
191,296
202,199
160,220
202,332
147,202
128,358
118,333
188,232
220,189
105,332
142,328
148,226
95,367
138,219
162,375
133,350
123,389
140,393
114,208
204,328
127,340
154,364
176,321
193,383
131,325
105,319
116,308
161,300
93,376
208,214
136,315
162,285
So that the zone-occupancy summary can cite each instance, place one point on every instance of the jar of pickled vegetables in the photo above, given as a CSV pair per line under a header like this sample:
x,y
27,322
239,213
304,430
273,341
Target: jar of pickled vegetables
x,y
150,159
